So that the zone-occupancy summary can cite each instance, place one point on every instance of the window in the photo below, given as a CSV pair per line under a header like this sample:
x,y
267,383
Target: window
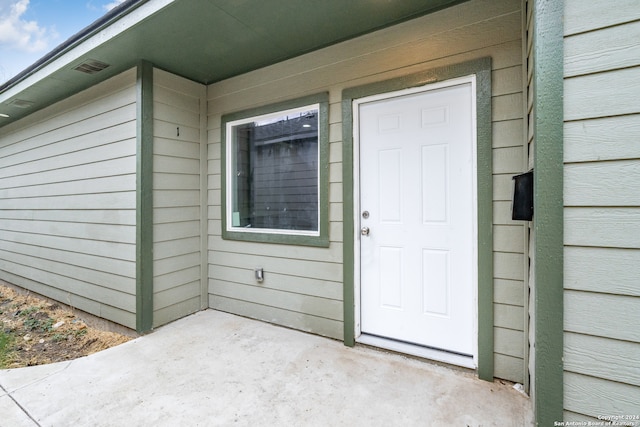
x,y
274,189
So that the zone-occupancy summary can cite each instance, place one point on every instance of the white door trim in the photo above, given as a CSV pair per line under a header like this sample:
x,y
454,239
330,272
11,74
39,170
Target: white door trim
x,y
407,348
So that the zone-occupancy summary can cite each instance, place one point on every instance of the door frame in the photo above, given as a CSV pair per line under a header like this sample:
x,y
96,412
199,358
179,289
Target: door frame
x,y
481,69
389,343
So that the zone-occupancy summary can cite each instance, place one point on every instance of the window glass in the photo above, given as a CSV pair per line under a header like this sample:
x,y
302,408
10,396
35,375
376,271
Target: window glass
x,y
272,179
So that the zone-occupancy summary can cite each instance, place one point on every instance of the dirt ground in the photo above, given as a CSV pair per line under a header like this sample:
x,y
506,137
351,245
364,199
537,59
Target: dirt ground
x,y
38,331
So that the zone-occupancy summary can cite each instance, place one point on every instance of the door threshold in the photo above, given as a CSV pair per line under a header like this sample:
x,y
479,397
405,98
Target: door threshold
x,y
417,350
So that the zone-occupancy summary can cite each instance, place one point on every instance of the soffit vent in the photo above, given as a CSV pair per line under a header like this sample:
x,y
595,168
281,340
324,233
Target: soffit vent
x,y
21,103
91,66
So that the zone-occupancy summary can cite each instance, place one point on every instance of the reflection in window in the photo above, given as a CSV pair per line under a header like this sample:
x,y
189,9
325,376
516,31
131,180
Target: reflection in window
x,y
274,171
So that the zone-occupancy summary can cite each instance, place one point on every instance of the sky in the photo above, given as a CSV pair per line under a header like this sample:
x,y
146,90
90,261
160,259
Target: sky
x,y
29,29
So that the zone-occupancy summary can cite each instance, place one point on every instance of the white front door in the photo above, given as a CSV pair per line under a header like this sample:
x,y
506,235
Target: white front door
x,y
418,275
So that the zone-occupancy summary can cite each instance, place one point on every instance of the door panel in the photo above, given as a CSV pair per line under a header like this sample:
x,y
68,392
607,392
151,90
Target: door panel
x,y
417,181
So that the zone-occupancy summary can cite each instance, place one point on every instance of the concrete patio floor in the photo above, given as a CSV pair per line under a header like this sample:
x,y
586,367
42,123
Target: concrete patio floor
x,y
216,369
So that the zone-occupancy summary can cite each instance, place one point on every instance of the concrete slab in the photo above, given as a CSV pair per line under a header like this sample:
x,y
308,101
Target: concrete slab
x,y
213,368
14,379
13,415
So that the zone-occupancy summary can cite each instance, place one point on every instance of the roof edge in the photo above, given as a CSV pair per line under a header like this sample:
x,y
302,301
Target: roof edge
x,y
104,21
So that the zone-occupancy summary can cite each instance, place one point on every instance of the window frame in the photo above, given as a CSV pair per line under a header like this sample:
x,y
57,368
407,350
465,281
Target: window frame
x,y
319,237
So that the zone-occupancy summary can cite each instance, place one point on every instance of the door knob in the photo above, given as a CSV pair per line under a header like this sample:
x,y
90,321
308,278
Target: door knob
x,y
364,231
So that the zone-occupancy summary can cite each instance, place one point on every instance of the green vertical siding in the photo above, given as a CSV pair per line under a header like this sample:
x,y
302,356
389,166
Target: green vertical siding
x,y
144,198
548,220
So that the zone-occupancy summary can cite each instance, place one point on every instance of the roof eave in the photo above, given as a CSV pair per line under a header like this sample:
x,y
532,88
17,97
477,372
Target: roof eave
x,y
62,55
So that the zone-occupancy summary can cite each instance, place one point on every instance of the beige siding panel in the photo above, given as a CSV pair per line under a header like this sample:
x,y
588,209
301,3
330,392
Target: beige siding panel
x,y
509,342
335,153
106,152
169,147
596,397
332,255
172,248
177,214
609,138
175,165
507,81
67,197
508,266
335,232
507,133
111,184
314,306
607,227
120,200
321,270
581,16
335,172
73,118
602,315
169,97
122,251
164,315
108,232
175,117
573,417
124,317
602,357
590,269
509,316
103,216
110,128
471,30
175,278
508,367
608,49
335,213
508,292
175,263
183,89
317,325
81,260
122,166
594,95
508,238
176,295
99,278
177,228
502,212
503,187
166,130
602,208
506,107
176,198
508,160
528,124
280,282
71,285
613,183
89,305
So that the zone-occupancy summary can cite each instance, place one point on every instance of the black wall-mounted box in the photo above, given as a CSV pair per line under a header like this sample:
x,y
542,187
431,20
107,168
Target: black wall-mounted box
x,y
522,209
